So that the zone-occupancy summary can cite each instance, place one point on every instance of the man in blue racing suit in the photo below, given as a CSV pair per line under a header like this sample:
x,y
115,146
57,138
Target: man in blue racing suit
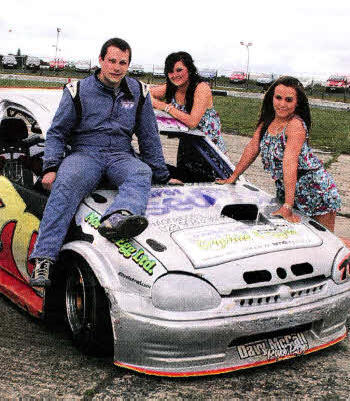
x,y
99,132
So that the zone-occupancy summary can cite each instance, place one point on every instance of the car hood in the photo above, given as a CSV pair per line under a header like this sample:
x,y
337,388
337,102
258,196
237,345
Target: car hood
x,y
226,234
187,224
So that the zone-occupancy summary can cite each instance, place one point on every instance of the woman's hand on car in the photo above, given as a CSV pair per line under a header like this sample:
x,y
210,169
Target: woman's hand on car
x,y
230,180
287,214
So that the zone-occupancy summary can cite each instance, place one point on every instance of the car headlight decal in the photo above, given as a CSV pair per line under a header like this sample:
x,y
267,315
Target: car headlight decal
x,y
183,293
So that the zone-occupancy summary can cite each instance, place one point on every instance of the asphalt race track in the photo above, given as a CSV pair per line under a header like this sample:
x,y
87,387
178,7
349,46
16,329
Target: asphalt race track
x,y
39,362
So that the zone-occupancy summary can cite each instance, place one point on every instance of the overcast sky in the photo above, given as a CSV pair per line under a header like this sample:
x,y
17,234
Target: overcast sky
x,y
309,37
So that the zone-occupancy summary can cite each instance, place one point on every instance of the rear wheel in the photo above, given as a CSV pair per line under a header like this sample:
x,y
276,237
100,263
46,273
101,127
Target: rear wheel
x,y
87,310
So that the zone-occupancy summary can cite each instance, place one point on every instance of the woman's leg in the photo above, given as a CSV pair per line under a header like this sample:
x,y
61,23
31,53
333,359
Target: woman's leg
x,y
327,220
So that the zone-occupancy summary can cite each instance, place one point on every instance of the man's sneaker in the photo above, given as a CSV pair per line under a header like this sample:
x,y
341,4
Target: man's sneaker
x,y
122,225
40,274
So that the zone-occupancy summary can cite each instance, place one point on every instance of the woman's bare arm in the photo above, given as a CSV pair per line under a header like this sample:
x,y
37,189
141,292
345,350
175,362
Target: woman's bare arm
x,y
157,95
202,100
296,136
249,154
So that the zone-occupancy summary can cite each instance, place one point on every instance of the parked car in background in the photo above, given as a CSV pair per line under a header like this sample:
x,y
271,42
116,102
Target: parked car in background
x,y
208,74
9,61
70,64
337,83
137,70
266,80
32,63
82,66
57,64
158,72
308,83
238,77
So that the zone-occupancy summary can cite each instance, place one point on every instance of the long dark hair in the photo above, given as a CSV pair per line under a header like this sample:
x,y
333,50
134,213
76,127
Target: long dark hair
x,y
267,112
194,77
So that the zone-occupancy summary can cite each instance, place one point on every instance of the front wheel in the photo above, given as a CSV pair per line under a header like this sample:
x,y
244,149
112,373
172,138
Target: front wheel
x,y
87,310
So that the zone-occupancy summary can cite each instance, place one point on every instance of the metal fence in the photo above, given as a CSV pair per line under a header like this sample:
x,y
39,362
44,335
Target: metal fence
x,y
154,74
23,61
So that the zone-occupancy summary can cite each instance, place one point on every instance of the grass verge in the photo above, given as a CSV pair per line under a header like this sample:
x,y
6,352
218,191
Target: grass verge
x,y
12,83
330,128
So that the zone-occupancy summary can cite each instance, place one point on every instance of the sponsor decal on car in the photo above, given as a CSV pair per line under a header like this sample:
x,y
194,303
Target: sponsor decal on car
x,y
138,255
231,241
172,223
223,242
134,280
276,347
165,201
126,248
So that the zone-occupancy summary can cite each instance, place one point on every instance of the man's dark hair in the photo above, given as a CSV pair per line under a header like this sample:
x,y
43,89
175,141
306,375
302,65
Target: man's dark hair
x,y
116,42
194,78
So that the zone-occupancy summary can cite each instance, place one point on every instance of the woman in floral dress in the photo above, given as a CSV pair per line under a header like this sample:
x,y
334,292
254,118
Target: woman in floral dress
x,y
186,97
282,137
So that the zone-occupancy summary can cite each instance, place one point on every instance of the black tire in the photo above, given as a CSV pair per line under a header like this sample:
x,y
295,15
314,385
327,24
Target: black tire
x,y
87,310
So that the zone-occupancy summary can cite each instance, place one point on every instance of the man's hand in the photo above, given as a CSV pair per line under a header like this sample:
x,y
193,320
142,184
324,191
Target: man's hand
x,y
48,180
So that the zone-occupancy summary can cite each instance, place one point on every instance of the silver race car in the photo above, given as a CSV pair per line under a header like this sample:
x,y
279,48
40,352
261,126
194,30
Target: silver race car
x,y
214,284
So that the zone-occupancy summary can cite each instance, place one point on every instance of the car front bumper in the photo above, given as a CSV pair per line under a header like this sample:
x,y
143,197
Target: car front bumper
x,y
223,344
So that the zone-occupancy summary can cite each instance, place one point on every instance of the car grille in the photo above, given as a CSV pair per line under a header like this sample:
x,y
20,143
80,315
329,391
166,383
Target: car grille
x,y
280,293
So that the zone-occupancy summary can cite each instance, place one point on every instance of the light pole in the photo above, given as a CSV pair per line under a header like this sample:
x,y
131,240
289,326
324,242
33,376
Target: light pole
x,y
55,67
58,34
10,38
247,45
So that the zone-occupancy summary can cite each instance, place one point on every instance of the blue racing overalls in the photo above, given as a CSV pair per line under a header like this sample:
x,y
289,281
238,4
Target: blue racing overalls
x,y
100,146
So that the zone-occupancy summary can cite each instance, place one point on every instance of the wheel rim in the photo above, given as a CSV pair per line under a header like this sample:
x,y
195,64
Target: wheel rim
x,y
76,300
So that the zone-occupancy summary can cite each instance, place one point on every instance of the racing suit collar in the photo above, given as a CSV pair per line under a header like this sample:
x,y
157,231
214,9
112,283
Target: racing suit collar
x,y
124,87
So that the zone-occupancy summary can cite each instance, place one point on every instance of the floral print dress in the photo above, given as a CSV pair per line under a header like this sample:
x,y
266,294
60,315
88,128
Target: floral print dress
x,y
315,191
188,158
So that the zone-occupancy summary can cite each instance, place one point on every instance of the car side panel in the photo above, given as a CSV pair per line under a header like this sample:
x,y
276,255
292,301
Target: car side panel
x,y
18,232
